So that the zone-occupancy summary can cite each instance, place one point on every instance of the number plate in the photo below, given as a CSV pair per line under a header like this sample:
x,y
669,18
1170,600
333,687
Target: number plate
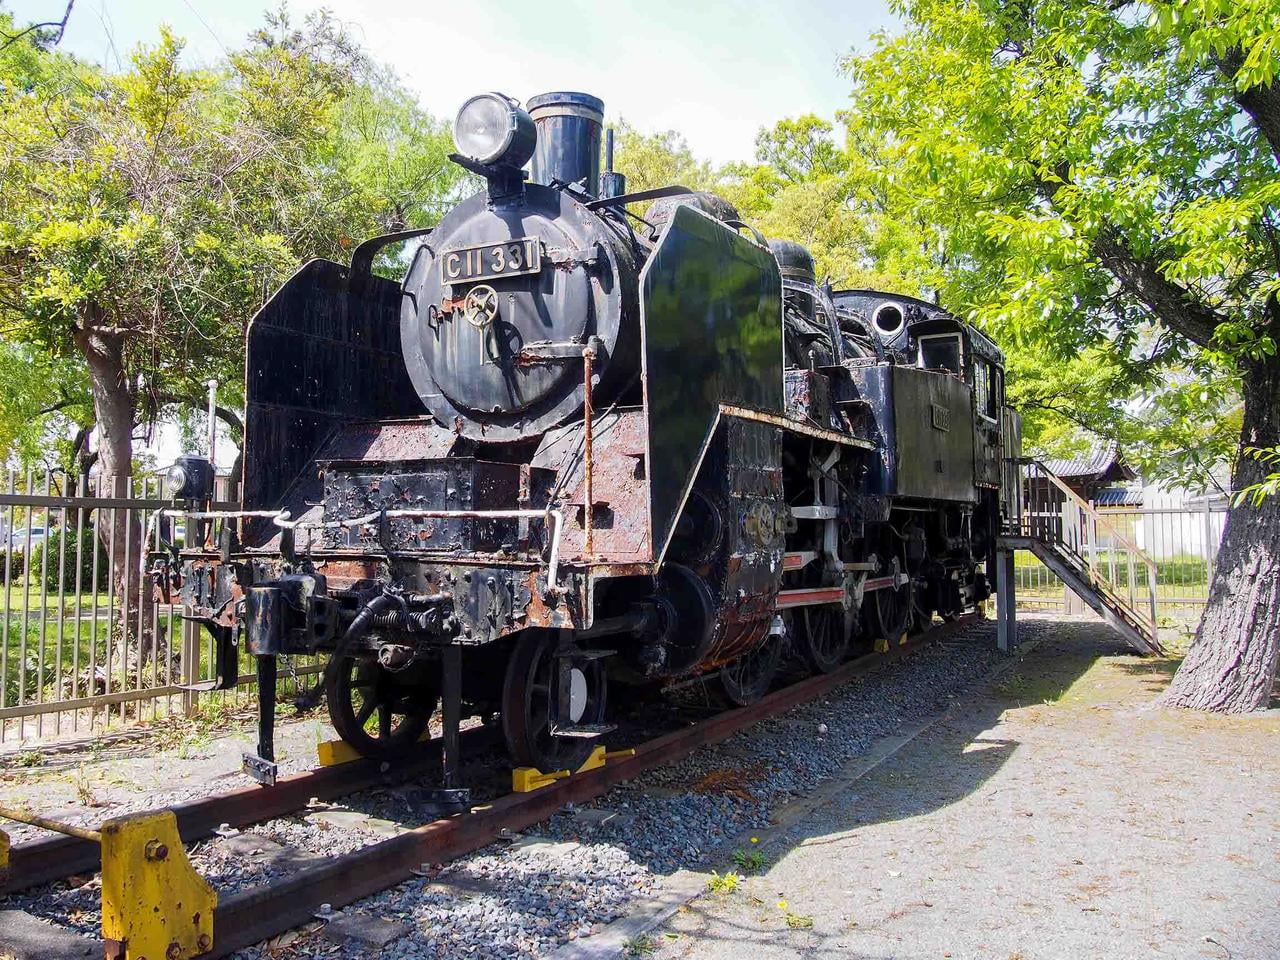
x,y
491,260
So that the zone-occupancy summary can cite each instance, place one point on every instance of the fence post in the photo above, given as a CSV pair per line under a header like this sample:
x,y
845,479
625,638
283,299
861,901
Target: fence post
x,y
1006,603
1208,539
190,665
1151,592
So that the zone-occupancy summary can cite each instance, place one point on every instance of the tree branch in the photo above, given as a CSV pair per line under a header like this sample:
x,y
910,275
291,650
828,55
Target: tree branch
x,y
1261,101
60,24
225,414
1175,306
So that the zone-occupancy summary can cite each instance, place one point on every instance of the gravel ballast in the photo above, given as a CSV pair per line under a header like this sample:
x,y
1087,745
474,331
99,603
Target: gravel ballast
x,y
584,867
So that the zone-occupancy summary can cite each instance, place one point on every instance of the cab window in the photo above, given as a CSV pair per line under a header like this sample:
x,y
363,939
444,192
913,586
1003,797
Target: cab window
x,y
941,352
984,388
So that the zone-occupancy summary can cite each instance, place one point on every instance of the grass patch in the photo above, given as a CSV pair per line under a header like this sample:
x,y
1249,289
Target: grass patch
x,y
749,861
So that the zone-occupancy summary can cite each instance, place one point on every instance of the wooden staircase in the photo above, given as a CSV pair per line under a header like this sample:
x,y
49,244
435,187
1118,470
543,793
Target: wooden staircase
x,y
1106,569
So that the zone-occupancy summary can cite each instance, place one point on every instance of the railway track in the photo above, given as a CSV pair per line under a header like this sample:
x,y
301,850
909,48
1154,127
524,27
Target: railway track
x,y
249,916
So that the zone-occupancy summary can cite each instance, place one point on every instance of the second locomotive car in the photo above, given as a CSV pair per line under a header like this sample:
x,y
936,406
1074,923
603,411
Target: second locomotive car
x,y
577,445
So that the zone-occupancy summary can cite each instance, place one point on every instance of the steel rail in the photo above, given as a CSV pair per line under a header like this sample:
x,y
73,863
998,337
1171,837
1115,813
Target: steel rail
x,y
53,858
258,913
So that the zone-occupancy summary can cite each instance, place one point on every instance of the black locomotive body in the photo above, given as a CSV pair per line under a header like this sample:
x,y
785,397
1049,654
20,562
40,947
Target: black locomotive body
x,y
577,445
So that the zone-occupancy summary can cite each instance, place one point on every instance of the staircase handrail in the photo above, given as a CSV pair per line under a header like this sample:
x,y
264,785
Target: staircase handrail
x,y
1090,511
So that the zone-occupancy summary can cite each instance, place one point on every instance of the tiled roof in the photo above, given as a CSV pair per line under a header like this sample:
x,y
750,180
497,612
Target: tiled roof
x,y
1095,462
1118,497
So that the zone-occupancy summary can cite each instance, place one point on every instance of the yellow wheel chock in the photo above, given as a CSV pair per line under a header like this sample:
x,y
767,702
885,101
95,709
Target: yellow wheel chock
x,y
154,904
330,753
526,779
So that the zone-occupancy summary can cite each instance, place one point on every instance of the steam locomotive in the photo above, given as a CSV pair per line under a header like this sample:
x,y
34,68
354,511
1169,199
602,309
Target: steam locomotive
x,y
580,445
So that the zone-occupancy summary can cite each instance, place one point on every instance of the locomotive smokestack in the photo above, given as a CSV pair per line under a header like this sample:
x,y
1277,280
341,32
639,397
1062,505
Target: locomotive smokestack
x,y
568,138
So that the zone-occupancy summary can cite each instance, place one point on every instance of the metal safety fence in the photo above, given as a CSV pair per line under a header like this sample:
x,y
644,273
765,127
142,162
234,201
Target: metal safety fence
x,y
1181,540
87,641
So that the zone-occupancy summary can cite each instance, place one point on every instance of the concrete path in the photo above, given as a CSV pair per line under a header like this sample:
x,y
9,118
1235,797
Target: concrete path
x,y
1050,815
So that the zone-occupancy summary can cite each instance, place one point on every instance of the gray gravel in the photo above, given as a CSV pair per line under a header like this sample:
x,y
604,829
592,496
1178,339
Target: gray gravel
x,y
523,901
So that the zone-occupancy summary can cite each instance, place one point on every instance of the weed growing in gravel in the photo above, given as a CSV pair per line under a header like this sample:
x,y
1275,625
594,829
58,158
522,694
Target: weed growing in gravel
x,y
724,883
84,791
29,758
749,861
796,921
640,946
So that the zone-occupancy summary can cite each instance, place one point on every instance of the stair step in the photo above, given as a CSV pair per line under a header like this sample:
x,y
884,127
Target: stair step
x,y
584,731
1100,596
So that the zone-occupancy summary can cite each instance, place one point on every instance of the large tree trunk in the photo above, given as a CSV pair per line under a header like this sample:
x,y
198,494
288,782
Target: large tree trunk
x,y
1231,665
118,529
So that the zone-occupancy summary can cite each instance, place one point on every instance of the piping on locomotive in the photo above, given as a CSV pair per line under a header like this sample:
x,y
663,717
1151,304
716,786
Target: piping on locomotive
x,y
577,446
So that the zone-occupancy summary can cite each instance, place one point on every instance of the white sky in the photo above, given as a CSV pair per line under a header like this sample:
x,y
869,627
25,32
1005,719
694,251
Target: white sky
x,y
715,70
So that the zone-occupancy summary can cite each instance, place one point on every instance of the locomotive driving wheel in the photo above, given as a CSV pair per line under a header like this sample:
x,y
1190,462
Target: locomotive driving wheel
x,y
822,636
380,713
747,679
890,610
528,702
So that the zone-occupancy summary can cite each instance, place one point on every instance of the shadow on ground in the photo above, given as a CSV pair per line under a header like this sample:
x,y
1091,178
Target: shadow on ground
x,y
768,919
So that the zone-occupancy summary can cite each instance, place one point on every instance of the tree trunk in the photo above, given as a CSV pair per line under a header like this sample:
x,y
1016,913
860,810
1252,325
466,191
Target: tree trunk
x,y
1231,665
118,529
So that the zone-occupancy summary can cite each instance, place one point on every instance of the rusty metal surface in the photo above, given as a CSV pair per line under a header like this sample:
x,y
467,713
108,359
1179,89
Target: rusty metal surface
x,y
417,439
620,531
312,355
250,916
40,861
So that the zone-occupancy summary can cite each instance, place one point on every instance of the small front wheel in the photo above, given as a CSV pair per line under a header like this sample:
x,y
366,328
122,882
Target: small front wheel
x,y
527,706
381,714
747,679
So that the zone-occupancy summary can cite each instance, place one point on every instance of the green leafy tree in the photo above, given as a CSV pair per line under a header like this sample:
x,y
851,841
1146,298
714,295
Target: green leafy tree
x,y
659,159
146,214
1105,177
810,187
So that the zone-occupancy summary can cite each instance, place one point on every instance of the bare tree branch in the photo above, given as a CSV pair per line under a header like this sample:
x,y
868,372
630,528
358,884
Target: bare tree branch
x,y
60,24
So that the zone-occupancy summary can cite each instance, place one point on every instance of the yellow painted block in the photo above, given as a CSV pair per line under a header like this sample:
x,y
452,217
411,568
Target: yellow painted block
x,y
595,760
882,645
902,640
153,900
525,779
330,753
4,860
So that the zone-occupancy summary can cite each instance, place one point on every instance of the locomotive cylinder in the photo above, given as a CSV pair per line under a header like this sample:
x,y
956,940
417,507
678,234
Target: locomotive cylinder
x,y
568,148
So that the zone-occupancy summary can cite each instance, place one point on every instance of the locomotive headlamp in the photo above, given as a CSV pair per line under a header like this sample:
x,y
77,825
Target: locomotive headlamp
x,y
492,129
190,478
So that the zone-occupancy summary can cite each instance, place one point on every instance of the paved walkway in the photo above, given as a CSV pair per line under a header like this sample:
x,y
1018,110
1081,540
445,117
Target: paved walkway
x,y
1048,816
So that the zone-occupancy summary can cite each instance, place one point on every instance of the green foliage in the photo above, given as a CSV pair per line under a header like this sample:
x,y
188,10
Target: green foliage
x,y
723,883
749,861
60,548
147,214
809,187
1105,203
1269,485
659,159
